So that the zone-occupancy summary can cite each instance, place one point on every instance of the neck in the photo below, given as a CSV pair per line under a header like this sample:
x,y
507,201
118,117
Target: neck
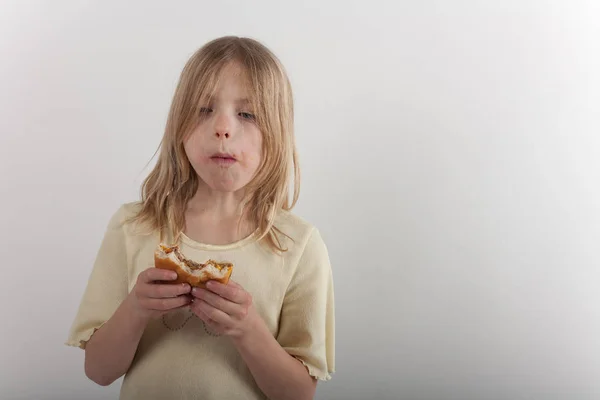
x,y
217,217
219,205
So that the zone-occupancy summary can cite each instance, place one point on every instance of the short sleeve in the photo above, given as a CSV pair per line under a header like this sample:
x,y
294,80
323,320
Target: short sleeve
x,y
306,328
107,285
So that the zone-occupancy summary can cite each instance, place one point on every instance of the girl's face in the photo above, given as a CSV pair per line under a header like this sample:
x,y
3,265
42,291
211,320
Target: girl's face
x,y
225,149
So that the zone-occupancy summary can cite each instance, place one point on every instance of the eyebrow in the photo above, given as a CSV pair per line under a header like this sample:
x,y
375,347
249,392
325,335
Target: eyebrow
x,y
244,101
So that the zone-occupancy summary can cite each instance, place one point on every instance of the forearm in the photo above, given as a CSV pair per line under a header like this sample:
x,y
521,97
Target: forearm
x,y
110,351
279,375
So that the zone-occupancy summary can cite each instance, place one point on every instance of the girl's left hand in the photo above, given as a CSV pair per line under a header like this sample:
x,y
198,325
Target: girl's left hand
x,y
225,309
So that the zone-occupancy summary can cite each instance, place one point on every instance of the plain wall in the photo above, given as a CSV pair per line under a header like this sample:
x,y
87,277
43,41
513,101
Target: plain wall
x,y
450,158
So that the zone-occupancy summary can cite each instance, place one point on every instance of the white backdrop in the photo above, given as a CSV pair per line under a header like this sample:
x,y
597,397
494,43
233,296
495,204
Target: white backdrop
x,y
451,147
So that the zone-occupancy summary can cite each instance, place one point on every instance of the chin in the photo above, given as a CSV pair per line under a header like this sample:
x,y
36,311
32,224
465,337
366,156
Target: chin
x,y
228,180
227,186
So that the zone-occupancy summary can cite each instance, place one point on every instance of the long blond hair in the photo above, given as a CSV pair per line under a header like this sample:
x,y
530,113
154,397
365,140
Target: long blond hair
x,y
173,182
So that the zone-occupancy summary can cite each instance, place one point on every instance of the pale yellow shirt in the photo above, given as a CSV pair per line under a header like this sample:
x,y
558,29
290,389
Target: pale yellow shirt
x,y
177,358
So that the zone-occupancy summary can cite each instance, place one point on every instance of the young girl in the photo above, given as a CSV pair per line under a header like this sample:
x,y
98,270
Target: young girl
x,y
220,190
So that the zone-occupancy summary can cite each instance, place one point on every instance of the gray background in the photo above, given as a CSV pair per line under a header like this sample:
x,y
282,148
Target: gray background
x,y
450,156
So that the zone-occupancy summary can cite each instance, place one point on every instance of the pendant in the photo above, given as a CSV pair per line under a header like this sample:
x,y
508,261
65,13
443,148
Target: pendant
x,y
176,320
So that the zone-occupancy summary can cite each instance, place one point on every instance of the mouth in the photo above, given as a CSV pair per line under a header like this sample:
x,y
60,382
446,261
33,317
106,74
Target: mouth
x,y
223,159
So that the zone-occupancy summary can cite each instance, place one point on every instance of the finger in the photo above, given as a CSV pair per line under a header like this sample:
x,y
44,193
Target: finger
x,y
166,304
209,323
234,293
196,310
157,274
159,291
189,300
211,313
217,301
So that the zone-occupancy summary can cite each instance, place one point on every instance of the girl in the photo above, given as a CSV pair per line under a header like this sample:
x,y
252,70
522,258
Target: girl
x,y
220,191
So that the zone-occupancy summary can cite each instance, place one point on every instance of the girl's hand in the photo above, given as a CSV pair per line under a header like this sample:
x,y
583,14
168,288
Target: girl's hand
x,y
225,309
151,298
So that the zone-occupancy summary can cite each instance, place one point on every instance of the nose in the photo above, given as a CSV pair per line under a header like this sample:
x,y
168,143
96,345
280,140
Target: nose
x,y
223,126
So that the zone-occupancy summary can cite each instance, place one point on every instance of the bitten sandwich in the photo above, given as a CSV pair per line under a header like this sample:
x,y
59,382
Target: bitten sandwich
x,y
188,271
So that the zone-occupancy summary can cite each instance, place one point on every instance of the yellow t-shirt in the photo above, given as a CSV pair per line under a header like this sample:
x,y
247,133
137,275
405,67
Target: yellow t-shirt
x,y
177,357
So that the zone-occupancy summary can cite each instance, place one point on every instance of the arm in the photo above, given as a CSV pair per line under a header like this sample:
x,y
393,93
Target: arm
x,y
279,375
228,309
109,352
306,327
111,320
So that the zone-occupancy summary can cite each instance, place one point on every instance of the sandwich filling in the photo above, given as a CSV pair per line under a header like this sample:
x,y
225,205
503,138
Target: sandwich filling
x,y
210,269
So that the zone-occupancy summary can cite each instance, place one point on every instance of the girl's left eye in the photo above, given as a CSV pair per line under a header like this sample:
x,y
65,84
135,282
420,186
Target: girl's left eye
x,y
248,116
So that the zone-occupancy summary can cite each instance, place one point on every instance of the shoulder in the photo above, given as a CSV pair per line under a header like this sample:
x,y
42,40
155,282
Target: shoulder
x,y
300,236
129,234
124,220
126,211
122,217
292,225
293,230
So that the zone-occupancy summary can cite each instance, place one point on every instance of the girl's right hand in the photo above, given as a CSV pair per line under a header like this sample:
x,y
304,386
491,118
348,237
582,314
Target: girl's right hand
x,y
151,298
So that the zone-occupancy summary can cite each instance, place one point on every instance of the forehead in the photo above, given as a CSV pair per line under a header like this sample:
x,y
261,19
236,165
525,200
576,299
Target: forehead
x,y
232,83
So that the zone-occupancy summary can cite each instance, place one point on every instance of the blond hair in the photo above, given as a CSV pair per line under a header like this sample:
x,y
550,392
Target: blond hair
x,y
173,182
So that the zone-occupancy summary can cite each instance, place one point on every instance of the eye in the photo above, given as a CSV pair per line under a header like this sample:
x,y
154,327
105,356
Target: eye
x,y
248,116
205,110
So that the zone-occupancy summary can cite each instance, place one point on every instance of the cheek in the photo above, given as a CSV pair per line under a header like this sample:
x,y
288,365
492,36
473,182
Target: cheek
x,y
193,149
254,149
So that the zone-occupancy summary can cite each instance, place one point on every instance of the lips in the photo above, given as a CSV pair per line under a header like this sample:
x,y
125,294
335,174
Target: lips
x,y
223,159
225,156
